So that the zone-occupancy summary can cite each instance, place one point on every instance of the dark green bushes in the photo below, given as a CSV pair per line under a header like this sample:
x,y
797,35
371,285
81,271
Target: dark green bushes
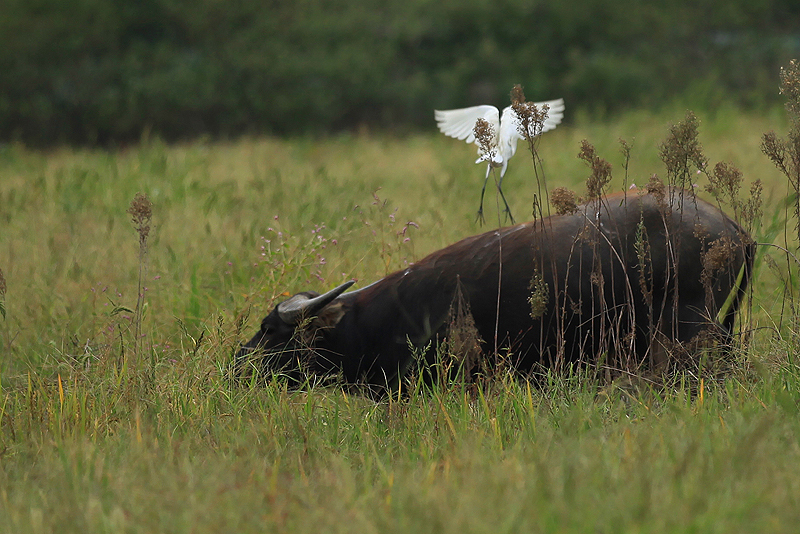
x,y
97,71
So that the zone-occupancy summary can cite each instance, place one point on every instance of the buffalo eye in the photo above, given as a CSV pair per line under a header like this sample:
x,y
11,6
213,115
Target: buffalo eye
x,y
268,326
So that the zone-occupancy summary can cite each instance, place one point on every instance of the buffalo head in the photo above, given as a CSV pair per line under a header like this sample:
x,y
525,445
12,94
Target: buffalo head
x,y
280,340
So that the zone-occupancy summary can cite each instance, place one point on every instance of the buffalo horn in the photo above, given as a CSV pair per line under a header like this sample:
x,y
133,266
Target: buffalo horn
x,y
291,310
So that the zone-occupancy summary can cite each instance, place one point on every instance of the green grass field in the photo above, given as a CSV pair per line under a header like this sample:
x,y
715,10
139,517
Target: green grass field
x,y
104,432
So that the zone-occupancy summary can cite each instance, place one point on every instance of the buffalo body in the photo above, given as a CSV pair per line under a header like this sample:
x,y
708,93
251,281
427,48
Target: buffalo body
x,y
630,275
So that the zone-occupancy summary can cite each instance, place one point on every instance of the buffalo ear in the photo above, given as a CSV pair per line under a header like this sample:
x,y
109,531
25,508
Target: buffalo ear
x,y
329,316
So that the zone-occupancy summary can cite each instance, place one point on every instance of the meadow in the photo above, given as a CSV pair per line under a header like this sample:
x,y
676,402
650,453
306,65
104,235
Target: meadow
x,y
111,421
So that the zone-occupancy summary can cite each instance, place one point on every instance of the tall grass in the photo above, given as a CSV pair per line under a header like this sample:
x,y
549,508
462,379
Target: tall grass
x,y
505,457
234,227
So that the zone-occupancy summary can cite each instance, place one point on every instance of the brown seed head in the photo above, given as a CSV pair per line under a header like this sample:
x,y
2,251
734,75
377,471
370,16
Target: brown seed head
x,y
682,149
752,210
141,211
719,254
531,118
625,148
601,170
657,188
775,149
484,133
540,295
790,87
563,200
517,95
463,339
725,181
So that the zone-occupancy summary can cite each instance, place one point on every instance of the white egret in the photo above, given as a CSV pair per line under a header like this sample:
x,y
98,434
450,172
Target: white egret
x,y
506,131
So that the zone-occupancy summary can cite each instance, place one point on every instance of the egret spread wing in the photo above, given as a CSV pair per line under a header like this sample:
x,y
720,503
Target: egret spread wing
x,y
460,123
554,114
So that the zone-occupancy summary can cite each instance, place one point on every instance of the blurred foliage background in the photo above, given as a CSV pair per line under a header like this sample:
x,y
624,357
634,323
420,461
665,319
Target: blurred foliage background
x,y
94,71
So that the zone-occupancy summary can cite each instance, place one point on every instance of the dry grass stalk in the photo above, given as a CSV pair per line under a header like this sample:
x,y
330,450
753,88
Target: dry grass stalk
x,y
2,295
625,149
531,124
463,340
601,170
785,153
682,151
141,212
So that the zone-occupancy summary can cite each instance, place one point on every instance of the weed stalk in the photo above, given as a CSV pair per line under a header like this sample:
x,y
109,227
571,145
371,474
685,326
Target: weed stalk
x,y
2,295
141,212
785,155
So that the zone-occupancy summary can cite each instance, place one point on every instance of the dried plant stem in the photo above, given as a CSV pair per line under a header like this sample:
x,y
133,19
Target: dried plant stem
x,y
499,270
2,295
531,124
139,300
785,154
141,212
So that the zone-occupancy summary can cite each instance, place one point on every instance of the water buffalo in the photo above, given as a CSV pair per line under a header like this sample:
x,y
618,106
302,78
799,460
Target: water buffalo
x,y
632,276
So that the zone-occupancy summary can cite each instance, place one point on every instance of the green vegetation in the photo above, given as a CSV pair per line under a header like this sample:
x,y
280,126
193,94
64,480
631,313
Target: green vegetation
x,y
106,430
89,71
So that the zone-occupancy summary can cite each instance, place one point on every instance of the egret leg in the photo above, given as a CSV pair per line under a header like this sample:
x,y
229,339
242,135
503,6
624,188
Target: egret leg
x,y
507,208
483,192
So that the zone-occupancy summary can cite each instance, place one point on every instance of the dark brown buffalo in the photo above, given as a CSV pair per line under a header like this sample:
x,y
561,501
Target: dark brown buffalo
x,y
631,276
